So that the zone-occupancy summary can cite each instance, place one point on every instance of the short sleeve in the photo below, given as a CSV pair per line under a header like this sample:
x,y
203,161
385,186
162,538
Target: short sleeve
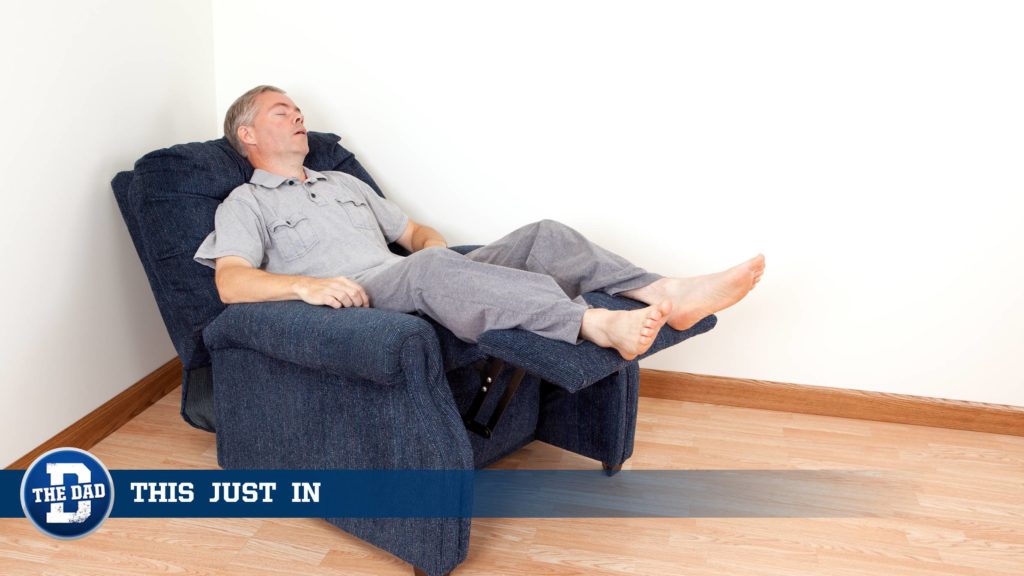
x,y
237,232
390,217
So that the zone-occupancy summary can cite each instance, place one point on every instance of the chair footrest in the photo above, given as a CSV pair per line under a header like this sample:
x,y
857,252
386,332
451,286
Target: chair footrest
x,y
576,366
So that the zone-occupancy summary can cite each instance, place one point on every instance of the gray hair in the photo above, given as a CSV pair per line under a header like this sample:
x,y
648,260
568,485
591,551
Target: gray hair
x,y
241,113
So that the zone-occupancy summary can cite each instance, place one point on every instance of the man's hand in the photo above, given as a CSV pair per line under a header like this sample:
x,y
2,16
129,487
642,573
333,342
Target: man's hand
x,y
337,292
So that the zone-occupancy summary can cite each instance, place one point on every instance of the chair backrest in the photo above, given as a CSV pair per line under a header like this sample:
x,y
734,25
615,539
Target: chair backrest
x,y
168,202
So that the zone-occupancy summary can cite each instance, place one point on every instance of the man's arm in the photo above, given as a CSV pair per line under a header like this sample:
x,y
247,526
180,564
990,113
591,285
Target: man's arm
x,y
238,281
416,237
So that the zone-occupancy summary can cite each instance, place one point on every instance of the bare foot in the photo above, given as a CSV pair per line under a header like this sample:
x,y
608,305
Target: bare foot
x,y
699,296
630,332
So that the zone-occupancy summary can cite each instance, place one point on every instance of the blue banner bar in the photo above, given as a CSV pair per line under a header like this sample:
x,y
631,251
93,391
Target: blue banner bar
x,y
10,488
490,493
292,493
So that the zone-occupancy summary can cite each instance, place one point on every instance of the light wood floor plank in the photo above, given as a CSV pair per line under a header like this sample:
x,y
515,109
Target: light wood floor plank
x,y
963,514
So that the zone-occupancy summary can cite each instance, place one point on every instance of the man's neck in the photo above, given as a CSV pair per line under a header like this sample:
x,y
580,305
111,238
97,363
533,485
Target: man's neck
x,y
289,168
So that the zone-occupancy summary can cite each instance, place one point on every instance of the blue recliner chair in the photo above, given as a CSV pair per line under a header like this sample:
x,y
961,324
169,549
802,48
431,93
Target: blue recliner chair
x,y
292,386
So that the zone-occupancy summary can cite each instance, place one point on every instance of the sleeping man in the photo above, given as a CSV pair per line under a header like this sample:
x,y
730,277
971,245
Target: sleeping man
x,y
294,234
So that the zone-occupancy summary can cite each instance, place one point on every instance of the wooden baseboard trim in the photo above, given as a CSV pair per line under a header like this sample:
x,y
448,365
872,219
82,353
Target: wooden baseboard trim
x,y
745,393
823,401
116,412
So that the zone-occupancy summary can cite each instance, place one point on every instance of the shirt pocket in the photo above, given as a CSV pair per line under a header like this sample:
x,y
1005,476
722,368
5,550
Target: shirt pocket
x,y
359,213
293,237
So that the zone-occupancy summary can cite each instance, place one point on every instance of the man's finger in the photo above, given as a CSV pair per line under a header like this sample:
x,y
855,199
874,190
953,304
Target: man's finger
x,y
356,300
352,289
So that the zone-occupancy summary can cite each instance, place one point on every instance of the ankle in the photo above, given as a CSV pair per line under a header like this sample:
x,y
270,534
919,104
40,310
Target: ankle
x,y
647,294
592,326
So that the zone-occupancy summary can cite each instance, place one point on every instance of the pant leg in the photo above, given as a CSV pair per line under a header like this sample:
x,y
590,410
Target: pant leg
x,y
469,297
576,264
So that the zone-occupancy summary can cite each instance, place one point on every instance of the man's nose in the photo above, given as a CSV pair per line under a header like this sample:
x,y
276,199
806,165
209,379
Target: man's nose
x,y
298,118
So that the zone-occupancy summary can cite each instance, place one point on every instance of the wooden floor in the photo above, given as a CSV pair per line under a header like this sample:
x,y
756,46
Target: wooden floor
x,y
965,514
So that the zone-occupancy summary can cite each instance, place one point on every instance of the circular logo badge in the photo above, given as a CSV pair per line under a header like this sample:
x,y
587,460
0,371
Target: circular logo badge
x,y
67,493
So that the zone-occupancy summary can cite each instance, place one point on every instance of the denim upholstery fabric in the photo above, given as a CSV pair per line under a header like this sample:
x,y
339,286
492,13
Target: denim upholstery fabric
x,y
353,343
277,413
598,422
197,398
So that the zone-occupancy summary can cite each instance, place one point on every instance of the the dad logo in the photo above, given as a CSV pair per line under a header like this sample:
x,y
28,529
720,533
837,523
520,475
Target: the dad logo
x,y
67,493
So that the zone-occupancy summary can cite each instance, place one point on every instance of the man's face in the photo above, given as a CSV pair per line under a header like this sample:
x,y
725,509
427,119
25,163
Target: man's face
x,y
278,128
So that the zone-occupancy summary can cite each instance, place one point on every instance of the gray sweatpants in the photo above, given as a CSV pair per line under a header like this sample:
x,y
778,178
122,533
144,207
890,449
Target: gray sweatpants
x,y
531,279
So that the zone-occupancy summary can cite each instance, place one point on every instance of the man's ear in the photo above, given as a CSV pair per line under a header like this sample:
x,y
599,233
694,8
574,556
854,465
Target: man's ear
x,y
246,135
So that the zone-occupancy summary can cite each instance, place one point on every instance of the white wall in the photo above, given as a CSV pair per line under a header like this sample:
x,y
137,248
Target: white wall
x,y
871,149
88,88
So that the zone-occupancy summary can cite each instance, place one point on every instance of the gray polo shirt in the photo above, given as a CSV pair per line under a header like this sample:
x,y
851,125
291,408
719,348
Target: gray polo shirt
x,y
332,224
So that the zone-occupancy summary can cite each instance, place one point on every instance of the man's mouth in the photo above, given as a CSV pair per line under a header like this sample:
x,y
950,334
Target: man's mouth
x,y
303,132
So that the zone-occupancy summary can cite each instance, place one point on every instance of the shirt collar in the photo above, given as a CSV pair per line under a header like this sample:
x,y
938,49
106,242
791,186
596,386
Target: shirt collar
x,y
313,175
271,180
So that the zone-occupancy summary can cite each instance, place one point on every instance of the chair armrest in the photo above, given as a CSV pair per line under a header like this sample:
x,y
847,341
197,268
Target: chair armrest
x,y
576,366
465,248
364,343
